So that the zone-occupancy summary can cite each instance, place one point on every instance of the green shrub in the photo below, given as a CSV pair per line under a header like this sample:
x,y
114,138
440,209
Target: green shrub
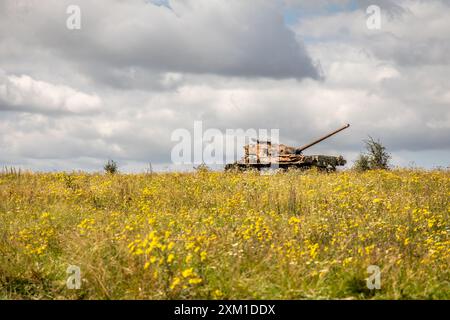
x,y
375,157
111,167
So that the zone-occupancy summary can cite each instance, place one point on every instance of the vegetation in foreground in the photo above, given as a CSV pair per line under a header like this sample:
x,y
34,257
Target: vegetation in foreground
x,y
216,235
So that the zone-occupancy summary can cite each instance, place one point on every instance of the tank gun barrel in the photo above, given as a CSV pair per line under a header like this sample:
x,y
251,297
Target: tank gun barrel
x,y
306,146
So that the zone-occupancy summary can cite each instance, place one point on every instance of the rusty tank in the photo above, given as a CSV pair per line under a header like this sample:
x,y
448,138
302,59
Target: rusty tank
x,y
264,154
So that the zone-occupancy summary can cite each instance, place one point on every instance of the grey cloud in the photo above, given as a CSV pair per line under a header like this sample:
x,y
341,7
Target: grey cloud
x,y
394,8
202,37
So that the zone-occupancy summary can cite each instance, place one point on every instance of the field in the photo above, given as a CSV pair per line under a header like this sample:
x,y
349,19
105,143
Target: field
x,y
215,235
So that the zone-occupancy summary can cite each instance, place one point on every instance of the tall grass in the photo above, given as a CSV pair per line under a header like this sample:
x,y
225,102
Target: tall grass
x,y
217,235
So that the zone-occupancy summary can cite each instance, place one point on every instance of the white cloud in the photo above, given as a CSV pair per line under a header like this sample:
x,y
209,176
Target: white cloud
x,y
25,94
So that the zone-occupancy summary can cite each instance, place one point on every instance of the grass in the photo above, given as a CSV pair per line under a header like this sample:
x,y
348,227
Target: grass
x,y
213,235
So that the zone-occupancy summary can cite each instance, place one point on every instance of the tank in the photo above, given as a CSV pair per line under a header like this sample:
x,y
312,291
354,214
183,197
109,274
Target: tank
x,y
264,154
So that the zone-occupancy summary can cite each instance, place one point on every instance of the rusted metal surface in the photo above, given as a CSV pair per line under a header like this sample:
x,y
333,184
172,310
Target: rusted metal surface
x,y
266,154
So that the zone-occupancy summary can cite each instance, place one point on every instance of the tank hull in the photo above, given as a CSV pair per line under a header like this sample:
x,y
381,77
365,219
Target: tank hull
x,y
322,162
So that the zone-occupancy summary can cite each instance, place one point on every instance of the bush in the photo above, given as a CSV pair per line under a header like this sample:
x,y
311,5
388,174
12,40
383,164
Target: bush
x,y
376,156
111,167
362,163
202,168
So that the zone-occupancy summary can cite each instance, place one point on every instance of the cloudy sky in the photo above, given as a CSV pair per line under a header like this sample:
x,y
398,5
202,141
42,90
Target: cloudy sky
x,y
139,69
